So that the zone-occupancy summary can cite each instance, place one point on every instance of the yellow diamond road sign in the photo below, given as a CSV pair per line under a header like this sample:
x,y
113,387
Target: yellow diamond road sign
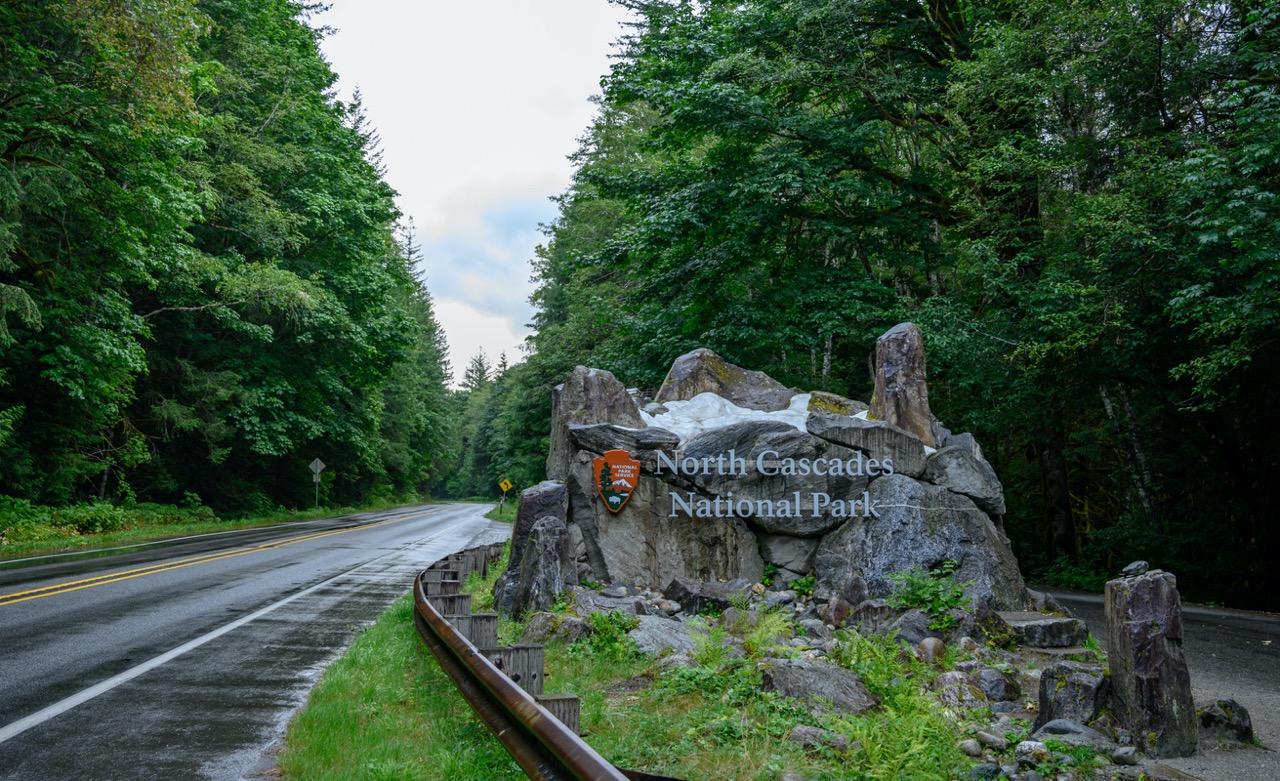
x,y
505,485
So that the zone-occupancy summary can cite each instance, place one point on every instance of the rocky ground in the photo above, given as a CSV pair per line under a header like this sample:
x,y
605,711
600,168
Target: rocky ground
x,y
1026,691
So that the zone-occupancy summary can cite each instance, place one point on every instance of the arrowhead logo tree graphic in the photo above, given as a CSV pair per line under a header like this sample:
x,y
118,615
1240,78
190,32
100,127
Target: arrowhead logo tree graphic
x,y
617,475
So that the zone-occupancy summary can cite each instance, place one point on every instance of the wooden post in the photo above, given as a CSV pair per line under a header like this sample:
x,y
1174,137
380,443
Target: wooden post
x,y
451,604
523,664
565,707
481,629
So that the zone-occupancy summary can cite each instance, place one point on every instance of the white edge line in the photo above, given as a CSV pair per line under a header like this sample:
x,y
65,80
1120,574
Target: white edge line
x,y
13,729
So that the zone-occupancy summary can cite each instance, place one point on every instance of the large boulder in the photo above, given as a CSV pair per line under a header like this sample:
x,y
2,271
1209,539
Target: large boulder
x,y
920,526
1226,723
546,567
703,371
901,394
1071,690
779,441
643,444
876,438
657,635
823,687
586,396
548,498
1149,679
645,544
957,468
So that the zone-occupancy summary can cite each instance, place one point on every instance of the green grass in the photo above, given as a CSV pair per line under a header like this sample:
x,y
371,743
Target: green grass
x,y
33,530
505,512
385,711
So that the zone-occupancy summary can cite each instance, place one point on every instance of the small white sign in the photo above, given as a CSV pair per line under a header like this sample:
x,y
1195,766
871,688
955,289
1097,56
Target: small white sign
x,y
317,466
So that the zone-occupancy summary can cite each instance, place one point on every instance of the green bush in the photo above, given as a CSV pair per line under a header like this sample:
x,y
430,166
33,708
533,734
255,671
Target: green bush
x,y
936,593
608,637
91,518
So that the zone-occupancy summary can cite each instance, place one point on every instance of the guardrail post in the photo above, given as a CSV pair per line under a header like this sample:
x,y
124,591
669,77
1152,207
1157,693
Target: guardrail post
x,y
523,664
442,588
451,604
439,575
565,707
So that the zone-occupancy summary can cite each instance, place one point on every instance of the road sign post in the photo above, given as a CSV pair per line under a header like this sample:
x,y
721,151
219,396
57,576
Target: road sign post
x,y
317,466
505,485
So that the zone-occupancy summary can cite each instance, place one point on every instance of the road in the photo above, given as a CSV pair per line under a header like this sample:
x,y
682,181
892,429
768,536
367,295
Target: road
x,y
186,659
1231,654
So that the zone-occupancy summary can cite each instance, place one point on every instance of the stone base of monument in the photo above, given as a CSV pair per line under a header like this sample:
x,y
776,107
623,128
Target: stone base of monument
x,y
737,497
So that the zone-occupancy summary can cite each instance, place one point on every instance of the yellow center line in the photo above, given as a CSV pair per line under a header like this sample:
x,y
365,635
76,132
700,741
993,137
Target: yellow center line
x,y
54,589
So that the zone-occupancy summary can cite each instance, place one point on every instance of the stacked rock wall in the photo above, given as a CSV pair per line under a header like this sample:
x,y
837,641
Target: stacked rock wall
x,y
936,504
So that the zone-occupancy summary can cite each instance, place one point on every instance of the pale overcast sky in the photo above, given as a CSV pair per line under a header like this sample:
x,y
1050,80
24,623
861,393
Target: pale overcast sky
x,y
478,103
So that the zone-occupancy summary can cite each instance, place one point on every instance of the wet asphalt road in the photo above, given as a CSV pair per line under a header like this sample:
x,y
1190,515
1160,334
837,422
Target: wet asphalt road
x,y
185,660
1231,654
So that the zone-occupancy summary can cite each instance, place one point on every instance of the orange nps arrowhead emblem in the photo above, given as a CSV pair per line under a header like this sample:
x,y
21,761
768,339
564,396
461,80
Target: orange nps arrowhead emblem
x,y
617,475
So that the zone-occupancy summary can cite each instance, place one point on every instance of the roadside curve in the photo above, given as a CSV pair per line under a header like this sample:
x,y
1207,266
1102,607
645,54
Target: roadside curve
x,y
187,663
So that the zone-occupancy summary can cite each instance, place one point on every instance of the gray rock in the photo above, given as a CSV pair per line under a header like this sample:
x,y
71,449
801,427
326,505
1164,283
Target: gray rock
x,y
957,469
873,616
815,629
669,606
751,439
1073,734
655,635
1226,723
816,737
955,691
779,598
586,396
1135,568
913,626
545,628
1037,630
1125,755
794,553
920,526
971,748
1072,691
877,439
901,393
548,498
645,544
993,742
822,687
643,444
987,771
1042,602
1149,677
821,401
930,650
703,371
546,567
615,592
1030,753
998,686
588,602
676,661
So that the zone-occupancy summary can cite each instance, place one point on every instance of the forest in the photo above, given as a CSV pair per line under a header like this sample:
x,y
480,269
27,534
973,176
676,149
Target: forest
x,y
1078,202
205,282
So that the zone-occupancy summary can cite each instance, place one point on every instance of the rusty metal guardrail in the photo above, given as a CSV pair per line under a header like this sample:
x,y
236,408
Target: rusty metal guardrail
x,y
545,747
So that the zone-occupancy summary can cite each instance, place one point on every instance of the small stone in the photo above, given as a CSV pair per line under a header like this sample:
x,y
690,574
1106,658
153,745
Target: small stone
x,y
987,771
1030,753
967,644
779,598
815,737
791,775
1125,755
1073,734
1135,568
991,741
1032,775
1226,722
997,686
971,747
930,650
669,606
642,607
614,592
1005,707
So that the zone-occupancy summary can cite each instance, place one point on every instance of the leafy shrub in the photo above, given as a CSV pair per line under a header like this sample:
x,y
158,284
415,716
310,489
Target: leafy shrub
x,y
936,593
803,586
91,518
608,637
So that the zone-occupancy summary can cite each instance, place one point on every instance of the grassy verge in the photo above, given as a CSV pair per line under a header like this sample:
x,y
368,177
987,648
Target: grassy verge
x,y
505,512
385,711
30,530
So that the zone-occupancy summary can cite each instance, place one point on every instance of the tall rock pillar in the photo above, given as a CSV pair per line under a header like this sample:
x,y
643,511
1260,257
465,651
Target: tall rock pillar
x,y
901,395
